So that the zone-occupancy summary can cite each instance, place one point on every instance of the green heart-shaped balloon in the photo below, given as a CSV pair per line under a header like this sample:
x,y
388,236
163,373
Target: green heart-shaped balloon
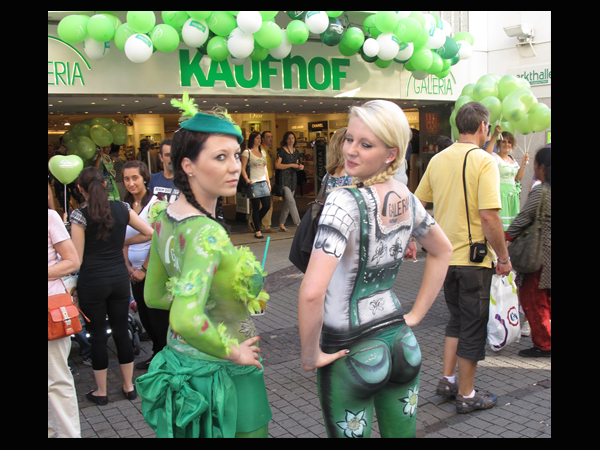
x,y
65,168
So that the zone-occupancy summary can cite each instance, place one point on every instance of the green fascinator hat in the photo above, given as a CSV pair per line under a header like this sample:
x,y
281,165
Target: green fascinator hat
x,y
215,121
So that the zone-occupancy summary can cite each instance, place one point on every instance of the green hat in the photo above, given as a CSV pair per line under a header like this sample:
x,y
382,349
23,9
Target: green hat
x,y
219,122
210,123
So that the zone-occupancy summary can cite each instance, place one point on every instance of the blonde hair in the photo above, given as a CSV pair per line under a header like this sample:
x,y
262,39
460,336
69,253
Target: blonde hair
x,y
335,156
388,122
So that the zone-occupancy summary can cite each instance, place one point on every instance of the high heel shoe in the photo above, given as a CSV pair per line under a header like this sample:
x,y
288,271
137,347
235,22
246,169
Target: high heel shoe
x,y
131,395
97,399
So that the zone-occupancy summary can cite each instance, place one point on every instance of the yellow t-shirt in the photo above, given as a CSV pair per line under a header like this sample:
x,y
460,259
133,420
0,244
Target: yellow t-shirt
x,y
442,184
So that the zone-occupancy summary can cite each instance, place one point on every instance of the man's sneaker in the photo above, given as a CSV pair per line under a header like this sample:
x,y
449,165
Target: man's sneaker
x,y
481,400
447,389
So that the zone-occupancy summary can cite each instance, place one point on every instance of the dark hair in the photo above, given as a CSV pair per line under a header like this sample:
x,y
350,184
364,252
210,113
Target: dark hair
x,y
91,181
470,116
285,138
167,141
443,142
145,174
189,144
543,157
252,138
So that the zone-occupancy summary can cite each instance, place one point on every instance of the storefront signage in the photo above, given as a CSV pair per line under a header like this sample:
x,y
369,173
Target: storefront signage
x,y
431,85
536,75
318,73
67,72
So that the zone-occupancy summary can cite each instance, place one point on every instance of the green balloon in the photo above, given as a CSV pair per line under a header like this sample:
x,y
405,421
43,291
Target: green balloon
x,y
464,36
345,50
507,126
408,29
297,32
522,126
486,86
334,33
81,129
269,35
177,18
73,28
449,49
540,118
65,168
386,21
422,58
222,23
217,48
164,38
101,28
259,53
101,136
462,100
517,104
141,21
506,85
354,38
370,27
468,90
121,35
198,15
71,146
119,133
494,106
436,65
85,147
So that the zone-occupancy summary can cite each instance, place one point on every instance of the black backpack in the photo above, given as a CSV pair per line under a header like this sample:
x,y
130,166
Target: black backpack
x,y
307,230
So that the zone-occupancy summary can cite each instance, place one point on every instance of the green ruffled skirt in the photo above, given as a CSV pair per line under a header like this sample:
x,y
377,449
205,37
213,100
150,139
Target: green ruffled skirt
x,y
511,204
188,397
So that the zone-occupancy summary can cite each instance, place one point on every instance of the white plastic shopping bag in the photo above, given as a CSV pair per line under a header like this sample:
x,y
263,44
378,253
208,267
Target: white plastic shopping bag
x,y
504,325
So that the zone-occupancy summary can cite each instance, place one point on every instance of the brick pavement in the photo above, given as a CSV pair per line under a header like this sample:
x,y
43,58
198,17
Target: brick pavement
x,y
522,385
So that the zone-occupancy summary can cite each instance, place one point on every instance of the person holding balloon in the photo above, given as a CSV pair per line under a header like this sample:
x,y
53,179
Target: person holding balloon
x,y
105,163
510,176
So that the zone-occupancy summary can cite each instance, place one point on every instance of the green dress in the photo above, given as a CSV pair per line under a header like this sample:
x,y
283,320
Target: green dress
x,y
210,288
510,191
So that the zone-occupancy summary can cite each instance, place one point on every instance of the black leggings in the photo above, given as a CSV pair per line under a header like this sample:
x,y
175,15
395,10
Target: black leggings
x,y
97,302
258,214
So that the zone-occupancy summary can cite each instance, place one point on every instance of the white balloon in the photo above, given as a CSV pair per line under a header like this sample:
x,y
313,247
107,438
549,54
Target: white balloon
x,y
138,48
388,46
430,22
437,39
405,52
284,48
240,44
317,21
194,32
94,49
371,47
446,27
249,21
465,50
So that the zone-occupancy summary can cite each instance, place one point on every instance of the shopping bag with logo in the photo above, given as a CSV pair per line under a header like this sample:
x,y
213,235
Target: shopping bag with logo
x,y
504,325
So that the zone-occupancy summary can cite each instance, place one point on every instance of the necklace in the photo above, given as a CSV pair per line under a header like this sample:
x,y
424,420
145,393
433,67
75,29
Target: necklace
x,y
468,142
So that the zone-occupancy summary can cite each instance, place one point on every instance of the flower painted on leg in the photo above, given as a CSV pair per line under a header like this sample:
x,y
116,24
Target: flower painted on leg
x,y
411,400
354,425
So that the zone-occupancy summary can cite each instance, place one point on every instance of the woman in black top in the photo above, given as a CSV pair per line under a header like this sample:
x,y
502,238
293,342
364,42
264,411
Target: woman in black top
x,y
288,163
98,232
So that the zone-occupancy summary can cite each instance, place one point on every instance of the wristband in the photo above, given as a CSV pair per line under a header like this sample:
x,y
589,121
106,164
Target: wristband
x,y
504,262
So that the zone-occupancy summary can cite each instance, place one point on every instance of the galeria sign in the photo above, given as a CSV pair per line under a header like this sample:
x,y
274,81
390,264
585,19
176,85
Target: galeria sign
x,y
318,73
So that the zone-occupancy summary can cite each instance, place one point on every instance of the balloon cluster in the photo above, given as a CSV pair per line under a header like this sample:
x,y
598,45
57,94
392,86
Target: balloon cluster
x,y
509,101
420,41
82,138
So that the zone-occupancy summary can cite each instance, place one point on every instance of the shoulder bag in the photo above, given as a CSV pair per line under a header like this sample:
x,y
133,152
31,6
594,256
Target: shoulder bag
x,y
63,316
526,250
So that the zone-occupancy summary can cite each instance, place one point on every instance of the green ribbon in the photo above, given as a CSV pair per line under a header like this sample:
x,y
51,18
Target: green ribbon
x,y
187,397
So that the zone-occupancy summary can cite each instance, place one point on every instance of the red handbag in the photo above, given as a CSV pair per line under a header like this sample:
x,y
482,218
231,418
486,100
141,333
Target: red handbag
x,y
63,316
